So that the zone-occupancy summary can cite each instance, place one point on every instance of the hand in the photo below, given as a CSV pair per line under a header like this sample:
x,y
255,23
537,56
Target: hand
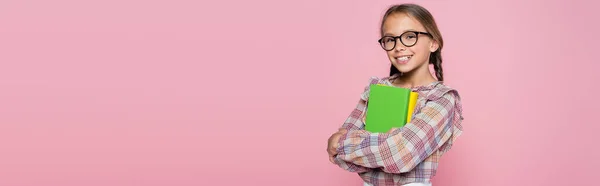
x,y
332,143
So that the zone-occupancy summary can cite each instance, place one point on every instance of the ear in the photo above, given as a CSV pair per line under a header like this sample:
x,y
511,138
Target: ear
x,y
434,46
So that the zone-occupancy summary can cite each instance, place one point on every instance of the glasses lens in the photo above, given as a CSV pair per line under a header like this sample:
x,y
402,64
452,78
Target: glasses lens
x,y
409,38
388,42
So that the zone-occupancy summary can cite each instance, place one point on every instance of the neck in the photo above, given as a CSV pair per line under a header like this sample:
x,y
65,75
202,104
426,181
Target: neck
x,y
417,77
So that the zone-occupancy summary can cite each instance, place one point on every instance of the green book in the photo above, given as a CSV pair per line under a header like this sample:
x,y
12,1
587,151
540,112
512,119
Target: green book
x,y
387,108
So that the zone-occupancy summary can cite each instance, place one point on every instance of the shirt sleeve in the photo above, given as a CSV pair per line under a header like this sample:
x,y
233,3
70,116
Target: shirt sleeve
x,y
354,122
401,149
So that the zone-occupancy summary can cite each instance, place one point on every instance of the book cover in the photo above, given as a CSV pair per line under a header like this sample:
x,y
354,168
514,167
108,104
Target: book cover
x,y
387,108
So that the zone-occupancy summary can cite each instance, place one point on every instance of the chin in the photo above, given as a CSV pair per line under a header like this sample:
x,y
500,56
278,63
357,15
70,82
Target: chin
x,y
403,68
405,71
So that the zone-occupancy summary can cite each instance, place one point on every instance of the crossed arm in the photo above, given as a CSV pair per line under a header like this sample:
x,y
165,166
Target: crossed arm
x,y
400,149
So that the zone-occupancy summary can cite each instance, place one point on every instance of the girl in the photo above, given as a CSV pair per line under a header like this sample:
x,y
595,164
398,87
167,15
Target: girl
x,y
408,155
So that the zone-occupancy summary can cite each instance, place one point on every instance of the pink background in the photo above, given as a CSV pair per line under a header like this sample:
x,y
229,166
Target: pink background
x,y
247,92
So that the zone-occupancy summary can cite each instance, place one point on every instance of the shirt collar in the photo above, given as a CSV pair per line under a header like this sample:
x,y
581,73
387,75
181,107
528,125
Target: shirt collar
x,y
421,88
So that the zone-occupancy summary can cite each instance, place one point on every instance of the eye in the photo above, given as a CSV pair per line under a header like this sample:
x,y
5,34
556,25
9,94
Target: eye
x,y
410,36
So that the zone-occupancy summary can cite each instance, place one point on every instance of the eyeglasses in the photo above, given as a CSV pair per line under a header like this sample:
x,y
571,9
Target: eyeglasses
x,y
408,39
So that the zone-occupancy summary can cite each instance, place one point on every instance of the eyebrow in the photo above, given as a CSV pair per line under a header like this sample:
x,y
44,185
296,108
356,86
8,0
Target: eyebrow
x,y
412,30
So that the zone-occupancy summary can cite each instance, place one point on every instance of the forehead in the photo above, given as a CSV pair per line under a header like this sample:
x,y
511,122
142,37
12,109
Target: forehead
x,y
397,23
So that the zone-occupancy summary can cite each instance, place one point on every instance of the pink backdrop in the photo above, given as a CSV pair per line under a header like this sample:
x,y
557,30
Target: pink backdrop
x,y
247,92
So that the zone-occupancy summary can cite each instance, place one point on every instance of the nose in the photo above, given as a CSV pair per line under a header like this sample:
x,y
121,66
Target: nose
x,y
399,45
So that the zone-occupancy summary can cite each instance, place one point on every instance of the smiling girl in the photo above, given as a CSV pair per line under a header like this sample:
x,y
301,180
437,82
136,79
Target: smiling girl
x,y
408,155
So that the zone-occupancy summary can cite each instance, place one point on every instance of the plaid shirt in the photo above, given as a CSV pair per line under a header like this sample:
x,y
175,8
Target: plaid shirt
x,y
408,154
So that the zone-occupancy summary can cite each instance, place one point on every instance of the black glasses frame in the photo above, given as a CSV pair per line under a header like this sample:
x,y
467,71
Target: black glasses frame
x,y
400,38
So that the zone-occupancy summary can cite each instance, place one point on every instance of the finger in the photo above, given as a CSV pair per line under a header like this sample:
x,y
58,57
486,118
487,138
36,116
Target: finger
x,y
331,151
333,136
335,147
331,159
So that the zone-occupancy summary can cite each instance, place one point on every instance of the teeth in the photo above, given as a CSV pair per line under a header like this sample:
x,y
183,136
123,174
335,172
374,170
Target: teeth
x,y
403,58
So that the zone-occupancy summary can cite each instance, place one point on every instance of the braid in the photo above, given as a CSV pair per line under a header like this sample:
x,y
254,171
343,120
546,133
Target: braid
x,y
436,60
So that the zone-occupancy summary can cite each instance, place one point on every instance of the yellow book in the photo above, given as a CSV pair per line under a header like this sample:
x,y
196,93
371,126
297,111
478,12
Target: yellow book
x,y
411,105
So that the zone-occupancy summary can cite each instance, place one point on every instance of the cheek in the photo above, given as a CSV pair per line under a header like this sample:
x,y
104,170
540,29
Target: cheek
x,y
420,49
420,53
390,54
